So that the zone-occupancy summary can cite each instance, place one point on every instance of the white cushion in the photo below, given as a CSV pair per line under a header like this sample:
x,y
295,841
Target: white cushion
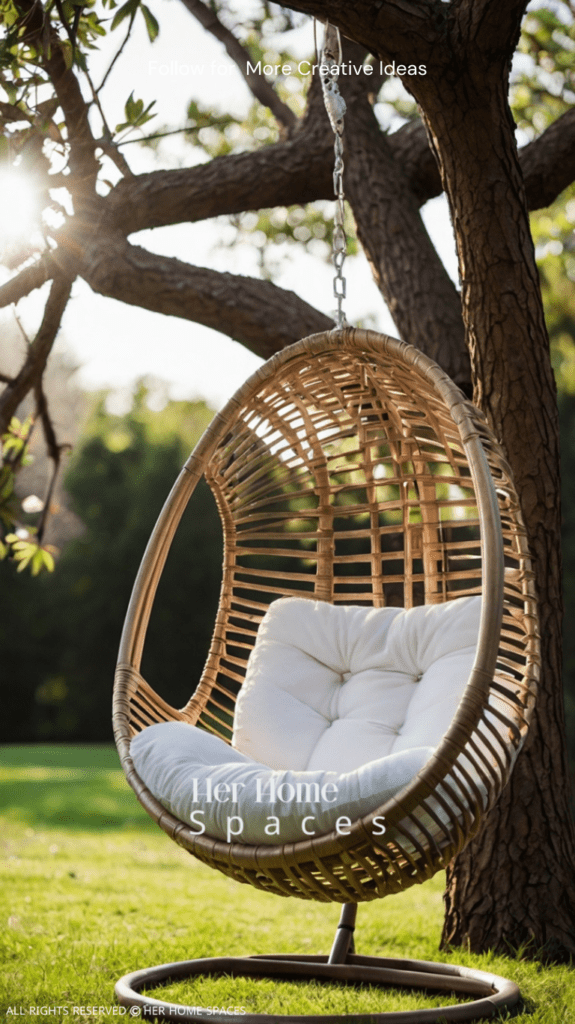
x,y
182,766
332,687
347,701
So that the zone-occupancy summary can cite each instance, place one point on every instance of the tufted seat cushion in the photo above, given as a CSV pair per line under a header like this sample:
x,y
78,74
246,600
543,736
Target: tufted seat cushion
x,y
225,794
351,698
334,686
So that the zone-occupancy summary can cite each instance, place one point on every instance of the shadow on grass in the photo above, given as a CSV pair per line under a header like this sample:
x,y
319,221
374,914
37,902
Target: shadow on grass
x,y
73,787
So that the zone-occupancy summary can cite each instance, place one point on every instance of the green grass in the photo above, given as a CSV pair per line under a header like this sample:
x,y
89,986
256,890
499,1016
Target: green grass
x,y
92,889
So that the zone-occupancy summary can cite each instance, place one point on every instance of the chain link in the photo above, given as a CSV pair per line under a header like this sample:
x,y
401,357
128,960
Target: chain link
x,y
335,106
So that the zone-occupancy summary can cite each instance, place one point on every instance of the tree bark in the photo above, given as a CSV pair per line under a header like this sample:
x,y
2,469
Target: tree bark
x,y
514,886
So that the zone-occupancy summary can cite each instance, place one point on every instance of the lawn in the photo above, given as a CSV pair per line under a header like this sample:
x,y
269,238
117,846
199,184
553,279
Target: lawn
x,y
92,889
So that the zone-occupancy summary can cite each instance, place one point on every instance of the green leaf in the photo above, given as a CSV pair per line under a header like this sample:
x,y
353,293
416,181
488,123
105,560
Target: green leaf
x,y
48,559
9,14
12,444
37,561
128,10
151,22
133,108
136,115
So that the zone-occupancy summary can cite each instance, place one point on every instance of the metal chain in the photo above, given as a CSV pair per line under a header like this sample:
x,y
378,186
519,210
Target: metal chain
x,y
335,106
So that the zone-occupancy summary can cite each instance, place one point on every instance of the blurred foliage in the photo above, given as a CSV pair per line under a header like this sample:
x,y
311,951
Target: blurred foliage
x,y
544,85
59,634
554,237
220,133
18,538
14,453
543,89
311,227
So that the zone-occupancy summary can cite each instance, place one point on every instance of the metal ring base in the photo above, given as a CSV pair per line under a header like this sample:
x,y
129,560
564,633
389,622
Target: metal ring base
x,y
495,993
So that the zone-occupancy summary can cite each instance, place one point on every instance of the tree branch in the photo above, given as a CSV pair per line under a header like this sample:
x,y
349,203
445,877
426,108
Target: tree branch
x,y
548,163
300,171
289,172
411,28
256,313
117,55
412,152
231,184
256,82
83,164
54,454
492,26
38,352
27,281
10,113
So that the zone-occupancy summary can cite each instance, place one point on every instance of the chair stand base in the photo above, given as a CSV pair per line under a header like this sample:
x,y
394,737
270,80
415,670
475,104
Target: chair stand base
x,y
495,994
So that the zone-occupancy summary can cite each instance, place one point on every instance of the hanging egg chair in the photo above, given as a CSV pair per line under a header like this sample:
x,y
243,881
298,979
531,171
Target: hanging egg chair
x,y
353,479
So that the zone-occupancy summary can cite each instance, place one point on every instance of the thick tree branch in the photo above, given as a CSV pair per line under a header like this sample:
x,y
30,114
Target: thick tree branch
x,y
492,26
256,313
27,281
38,353
412,152
296,171
300,171
405,30
283,174
548,163
84,166
256,82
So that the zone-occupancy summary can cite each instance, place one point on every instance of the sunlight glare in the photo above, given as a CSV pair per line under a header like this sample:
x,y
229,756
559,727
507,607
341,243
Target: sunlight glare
x,y
19,207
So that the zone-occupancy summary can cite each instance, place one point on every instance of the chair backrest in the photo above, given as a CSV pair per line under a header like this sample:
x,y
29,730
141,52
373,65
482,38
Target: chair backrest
x,y
350,469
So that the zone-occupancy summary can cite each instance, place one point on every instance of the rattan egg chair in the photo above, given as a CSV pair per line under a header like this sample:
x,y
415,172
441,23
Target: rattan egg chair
x,y
349,469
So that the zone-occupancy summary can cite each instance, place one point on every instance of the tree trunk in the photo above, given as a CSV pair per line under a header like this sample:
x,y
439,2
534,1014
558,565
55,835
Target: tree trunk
x,y
514,886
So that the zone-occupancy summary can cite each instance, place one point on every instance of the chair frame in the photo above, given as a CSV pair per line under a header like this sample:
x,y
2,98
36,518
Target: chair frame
x,y
339,413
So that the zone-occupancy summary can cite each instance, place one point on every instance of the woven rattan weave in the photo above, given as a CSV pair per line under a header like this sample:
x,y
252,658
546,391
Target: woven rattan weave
x,y
350,469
